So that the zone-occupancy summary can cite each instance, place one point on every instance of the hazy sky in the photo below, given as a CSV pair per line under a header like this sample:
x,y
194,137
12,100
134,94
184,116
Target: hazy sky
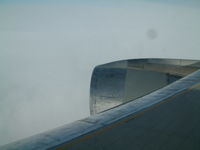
x,y
49,48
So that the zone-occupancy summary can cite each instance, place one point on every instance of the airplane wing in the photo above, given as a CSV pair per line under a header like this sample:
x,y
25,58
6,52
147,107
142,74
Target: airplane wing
x,y
164,118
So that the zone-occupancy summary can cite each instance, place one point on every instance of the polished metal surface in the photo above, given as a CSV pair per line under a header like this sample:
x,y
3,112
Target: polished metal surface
x,y
119,82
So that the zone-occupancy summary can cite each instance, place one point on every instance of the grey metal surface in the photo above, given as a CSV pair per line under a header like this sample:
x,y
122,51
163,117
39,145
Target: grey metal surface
x,y
119,127
118,82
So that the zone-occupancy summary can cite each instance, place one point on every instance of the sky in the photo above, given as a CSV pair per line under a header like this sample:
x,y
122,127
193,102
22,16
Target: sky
x,y
48,50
